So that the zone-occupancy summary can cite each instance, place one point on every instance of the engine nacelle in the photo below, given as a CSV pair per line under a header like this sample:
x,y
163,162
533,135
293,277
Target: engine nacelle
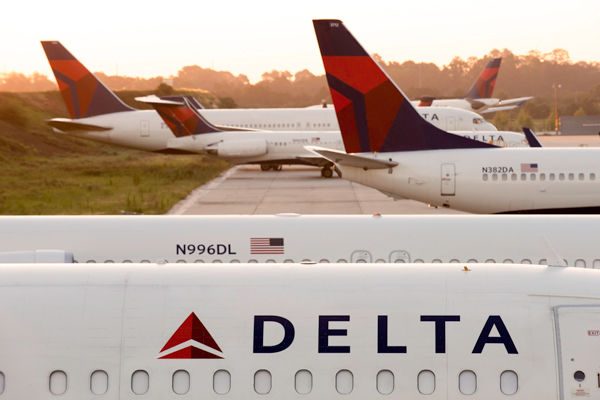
x,y
36,256
242,148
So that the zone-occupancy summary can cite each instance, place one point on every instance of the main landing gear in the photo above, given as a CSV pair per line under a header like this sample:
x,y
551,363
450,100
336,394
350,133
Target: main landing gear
x,y
326,172
268,167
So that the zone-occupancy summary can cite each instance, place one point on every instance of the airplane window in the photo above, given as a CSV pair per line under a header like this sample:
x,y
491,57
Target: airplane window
x,y
2,382
235,261
526,261
218,261
381,260
385,381
504,177
303,381
58,382
180,261
91,261
509,382
140,382
99,382
221,382
592,176
180,382
507,261
513,177
579,263
532,177
571,176
561,176
344,382
109,261
324,261
252,260
342,260
490,261
467,382
543,261
126,261
419,261
426,382
199,261
454,261
596,264
436,260
485,177
542,177
523,177
552,176
145,261
288,260
494,177
472,261
581,176
270,260
262,381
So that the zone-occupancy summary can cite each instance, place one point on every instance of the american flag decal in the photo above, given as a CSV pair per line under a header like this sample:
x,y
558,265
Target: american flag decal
x,y
266,246
529,167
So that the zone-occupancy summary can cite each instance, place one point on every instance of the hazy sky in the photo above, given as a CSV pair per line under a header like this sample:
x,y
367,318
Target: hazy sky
x,y
158,38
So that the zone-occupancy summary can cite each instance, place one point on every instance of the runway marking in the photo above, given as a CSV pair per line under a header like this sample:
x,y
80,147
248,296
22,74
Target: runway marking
x,y
184,205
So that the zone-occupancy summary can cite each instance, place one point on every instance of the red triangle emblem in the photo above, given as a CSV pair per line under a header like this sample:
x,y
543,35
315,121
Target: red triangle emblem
x,y
191,329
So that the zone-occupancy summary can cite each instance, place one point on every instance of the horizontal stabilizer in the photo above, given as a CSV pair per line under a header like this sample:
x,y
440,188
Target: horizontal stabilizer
x,y
69,125
153,99
351,160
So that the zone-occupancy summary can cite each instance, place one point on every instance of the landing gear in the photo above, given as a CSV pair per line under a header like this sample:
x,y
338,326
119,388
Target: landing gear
x,y
326,172
268,167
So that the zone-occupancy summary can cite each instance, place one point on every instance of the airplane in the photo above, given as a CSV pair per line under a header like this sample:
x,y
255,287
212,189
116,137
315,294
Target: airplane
x,y
479,97
395,151
96,113
282,331
292,238
193,133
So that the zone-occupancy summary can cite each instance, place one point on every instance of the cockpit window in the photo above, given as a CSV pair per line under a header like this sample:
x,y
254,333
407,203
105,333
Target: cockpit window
x,y
477,121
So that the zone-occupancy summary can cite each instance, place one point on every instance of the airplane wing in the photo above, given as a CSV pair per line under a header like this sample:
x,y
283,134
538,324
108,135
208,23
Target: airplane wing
x,y
518,101
351,160
317,161
69,125
494,109
531,138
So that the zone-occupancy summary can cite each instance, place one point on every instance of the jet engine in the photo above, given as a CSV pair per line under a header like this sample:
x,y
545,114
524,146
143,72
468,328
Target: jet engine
x,y
242,148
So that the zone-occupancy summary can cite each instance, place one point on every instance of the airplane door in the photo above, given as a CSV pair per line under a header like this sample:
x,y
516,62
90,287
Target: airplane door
x,y
399,256
448,178
144,128
578,342
361,256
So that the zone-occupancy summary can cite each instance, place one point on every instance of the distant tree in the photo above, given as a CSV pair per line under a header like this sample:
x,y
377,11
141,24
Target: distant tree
x,y
164,89
226,102
579,112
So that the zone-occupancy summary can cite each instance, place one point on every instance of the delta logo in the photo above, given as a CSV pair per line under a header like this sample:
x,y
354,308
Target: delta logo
x,y
191,341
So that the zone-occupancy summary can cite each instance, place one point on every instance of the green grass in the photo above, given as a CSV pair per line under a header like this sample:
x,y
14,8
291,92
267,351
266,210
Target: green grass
x,y
122,182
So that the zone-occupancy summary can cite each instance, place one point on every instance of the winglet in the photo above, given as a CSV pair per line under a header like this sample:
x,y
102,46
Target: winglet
x,y
180,116
483,87
83,93
531,138
373,113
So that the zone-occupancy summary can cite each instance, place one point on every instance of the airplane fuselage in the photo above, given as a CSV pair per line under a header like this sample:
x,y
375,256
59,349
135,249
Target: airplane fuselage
x,y
492,180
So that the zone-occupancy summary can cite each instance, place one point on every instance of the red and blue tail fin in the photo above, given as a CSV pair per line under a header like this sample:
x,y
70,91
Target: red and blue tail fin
x,y
373,113
180,115
483,88
84,95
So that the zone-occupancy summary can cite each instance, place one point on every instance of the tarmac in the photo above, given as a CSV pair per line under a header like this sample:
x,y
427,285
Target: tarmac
x,y
245,189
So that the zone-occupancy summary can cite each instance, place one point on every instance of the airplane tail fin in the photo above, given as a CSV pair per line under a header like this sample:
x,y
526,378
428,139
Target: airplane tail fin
x,y
532,139
83,93
373,113
180,116
483,87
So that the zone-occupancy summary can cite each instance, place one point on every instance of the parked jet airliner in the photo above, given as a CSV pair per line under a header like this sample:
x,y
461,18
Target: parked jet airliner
x,y
292,238
274,331
479,98
98,114
390,148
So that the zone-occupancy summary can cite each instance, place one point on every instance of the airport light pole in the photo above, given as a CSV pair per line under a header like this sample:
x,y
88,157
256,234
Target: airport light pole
x,y
556,86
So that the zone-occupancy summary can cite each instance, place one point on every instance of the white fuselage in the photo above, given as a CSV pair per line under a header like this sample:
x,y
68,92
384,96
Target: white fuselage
x,y
482,106
491,180
289,131
358,238
292,331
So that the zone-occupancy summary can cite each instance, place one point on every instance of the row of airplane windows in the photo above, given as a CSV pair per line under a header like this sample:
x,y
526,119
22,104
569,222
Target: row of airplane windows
x,y
542,176
287,125
263,382
321,142
580,263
